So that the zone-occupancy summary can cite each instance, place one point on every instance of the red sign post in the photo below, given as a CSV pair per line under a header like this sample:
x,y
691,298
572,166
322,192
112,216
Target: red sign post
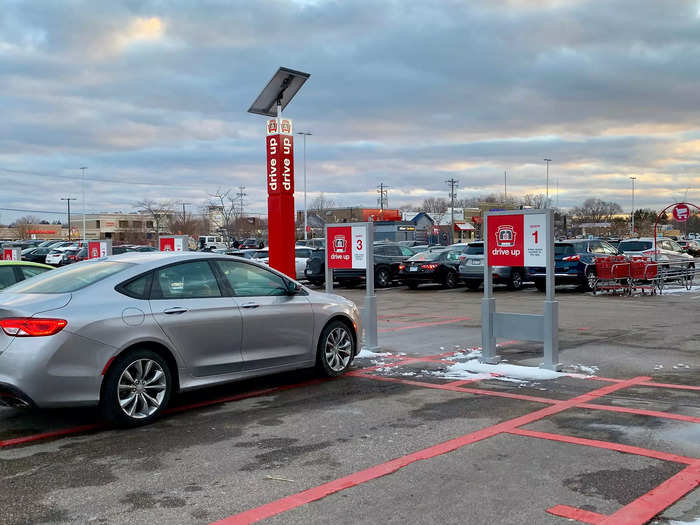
x,y
172,243
280,195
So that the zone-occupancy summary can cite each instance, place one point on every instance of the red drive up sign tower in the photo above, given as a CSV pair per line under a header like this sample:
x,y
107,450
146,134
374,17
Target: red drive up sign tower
x,y
280,195
281,224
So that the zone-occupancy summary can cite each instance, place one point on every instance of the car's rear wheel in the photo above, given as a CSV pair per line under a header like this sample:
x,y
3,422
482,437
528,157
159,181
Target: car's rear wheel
x,y
382,278
450,279
541,285
516,280
473,285
413,285
136,388
335,349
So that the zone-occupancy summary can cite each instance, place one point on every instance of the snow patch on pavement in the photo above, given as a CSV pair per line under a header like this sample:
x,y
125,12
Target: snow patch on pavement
x,y
501,371
366,354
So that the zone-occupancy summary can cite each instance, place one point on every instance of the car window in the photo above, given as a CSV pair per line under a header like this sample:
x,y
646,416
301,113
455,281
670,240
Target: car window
x,y
675,246
248,280
406,252
596,247
564,249
192,280
635,246
608,248
426,256
453,255
71,278
381,250
7,276
303,253
475,249
139,288
31,271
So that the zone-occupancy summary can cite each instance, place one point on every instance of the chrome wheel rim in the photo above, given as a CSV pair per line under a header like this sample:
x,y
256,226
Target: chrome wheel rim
x,y
383,278
142,388
592,280
517,280
338,349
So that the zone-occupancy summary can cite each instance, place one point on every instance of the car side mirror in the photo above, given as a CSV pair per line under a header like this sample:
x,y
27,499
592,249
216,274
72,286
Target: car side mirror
x,y
292,287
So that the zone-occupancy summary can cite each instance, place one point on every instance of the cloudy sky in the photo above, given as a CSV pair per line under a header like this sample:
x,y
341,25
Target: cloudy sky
x,y
152,97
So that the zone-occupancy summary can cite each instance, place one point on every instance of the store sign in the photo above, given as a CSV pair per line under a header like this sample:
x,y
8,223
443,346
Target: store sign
x,y
280,159
681,212
97,249
171,244
517,240
12,254
347,247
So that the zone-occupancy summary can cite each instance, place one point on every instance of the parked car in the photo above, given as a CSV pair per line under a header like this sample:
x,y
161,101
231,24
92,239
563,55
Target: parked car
x,y
690,246
155,324
37,255
317,243
387,258
574,263
211,242
12,272
471,269
667,250
245,254
251,242
436,266
57,256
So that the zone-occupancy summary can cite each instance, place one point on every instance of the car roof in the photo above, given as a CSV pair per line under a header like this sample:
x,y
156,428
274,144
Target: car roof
x,y
24,263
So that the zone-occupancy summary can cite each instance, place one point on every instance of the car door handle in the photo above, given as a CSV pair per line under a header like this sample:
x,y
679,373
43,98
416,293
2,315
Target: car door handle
x,y
250,305
175,310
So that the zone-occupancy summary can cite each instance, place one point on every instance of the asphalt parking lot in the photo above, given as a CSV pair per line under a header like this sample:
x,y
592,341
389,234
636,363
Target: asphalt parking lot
x,y
616,439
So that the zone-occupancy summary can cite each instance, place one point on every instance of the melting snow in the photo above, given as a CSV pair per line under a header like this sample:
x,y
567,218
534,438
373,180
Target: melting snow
x,y
505,372
367,354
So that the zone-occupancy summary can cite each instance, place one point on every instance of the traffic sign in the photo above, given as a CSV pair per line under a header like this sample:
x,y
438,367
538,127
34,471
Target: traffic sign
x,y
11,254
172,243
347,247
681,212
517,239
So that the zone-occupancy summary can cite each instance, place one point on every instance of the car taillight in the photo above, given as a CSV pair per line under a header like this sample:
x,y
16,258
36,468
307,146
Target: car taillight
x,y
31,326
429,266
572,258
402,266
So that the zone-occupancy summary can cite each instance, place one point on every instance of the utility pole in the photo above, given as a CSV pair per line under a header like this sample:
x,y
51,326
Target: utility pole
x,y
505,186
453,194
184,215
383,198
240,195
306,219
83,168
633,179
68,199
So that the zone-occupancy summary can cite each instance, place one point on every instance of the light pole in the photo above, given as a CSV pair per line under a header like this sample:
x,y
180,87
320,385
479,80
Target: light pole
x,y
305,134
547,194
633,179
68,199
83,168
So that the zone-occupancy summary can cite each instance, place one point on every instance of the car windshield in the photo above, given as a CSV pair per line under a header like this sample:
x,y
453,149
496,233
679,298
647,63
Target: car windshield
x,y
427,256
634,246
475,249
70,278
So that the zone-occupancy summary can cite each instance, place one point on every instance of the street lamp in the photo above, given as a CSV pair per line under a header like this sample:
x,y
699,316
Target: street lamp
x,y
305,134
547,195
633,179
83,168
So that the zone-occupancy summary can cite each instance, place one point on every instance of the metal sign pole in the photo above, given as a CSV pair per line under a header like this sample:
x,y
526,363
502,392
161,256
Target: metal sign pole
x,y
370,309
551,306
488,306
329,270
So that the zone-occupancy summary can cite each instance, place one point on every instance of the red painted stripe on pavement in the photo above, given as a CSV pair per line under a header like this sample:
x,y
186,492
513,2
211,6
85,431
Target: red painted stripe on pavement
x,y
656,500
462,382
49,435
618,447
321,491
424,324
642,412
669,385
446,386
572,513
173,410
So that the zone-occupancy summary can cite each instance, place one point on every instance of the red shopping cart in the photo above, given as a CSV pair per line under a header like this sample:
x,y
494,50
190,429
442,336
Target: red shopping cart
x,y
613,274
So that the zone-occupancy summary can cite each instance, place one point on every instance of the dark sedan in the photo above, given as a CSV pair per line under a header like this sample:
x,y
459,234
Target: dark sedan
x,y
436,266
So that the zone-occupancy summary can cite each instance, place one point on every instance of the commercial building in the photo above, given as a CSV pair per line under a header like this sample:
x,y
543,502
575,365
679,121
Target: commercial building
x,y
137,228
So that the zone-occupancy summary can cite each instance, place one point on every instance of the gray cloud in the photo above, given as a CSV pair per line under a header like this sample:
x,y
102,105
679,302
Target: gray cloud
x,y
407,93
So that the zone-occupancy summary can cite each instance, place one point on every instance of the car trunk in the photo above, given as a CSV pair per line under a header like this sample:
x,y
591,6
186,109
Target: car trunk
x,y
27,305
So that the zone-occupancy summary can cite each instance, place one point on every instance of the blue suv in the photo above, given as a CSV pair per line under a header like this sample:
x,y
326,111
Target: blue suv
x,y
574,263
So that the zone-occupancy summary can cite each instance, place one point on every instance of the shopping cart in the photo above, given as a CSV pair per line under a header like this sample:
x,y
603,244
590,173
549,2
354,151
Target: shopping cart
x,y
613,275
643,275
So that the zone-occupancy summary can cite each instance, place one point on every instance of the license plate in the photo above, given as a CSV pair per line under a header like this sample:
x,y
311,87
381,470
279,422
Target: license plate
x,y
413,269
475,262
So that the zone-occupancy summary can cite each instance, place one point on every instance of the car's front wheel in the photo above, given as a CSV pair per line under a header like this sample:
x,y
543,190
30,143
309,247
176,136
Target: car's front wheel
x,y
136,388
450,280
335,349
382,277
516,280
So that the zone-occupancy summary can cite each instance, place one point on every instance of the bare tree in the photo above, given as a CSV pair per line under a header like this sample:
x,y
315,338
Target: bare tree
x,y
159,211
320,204
596,210
224,203
533,200
435,205
23,225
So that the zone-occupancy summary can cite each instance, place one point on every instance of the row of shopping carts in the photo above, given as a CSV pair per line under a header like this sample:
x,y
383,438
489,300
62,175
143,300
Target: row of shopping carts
x,y
617,274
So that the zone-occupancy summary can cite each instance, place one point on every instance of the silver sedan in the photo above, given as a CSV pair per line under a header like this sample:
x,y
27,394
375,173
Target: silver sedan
x,y
125,332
